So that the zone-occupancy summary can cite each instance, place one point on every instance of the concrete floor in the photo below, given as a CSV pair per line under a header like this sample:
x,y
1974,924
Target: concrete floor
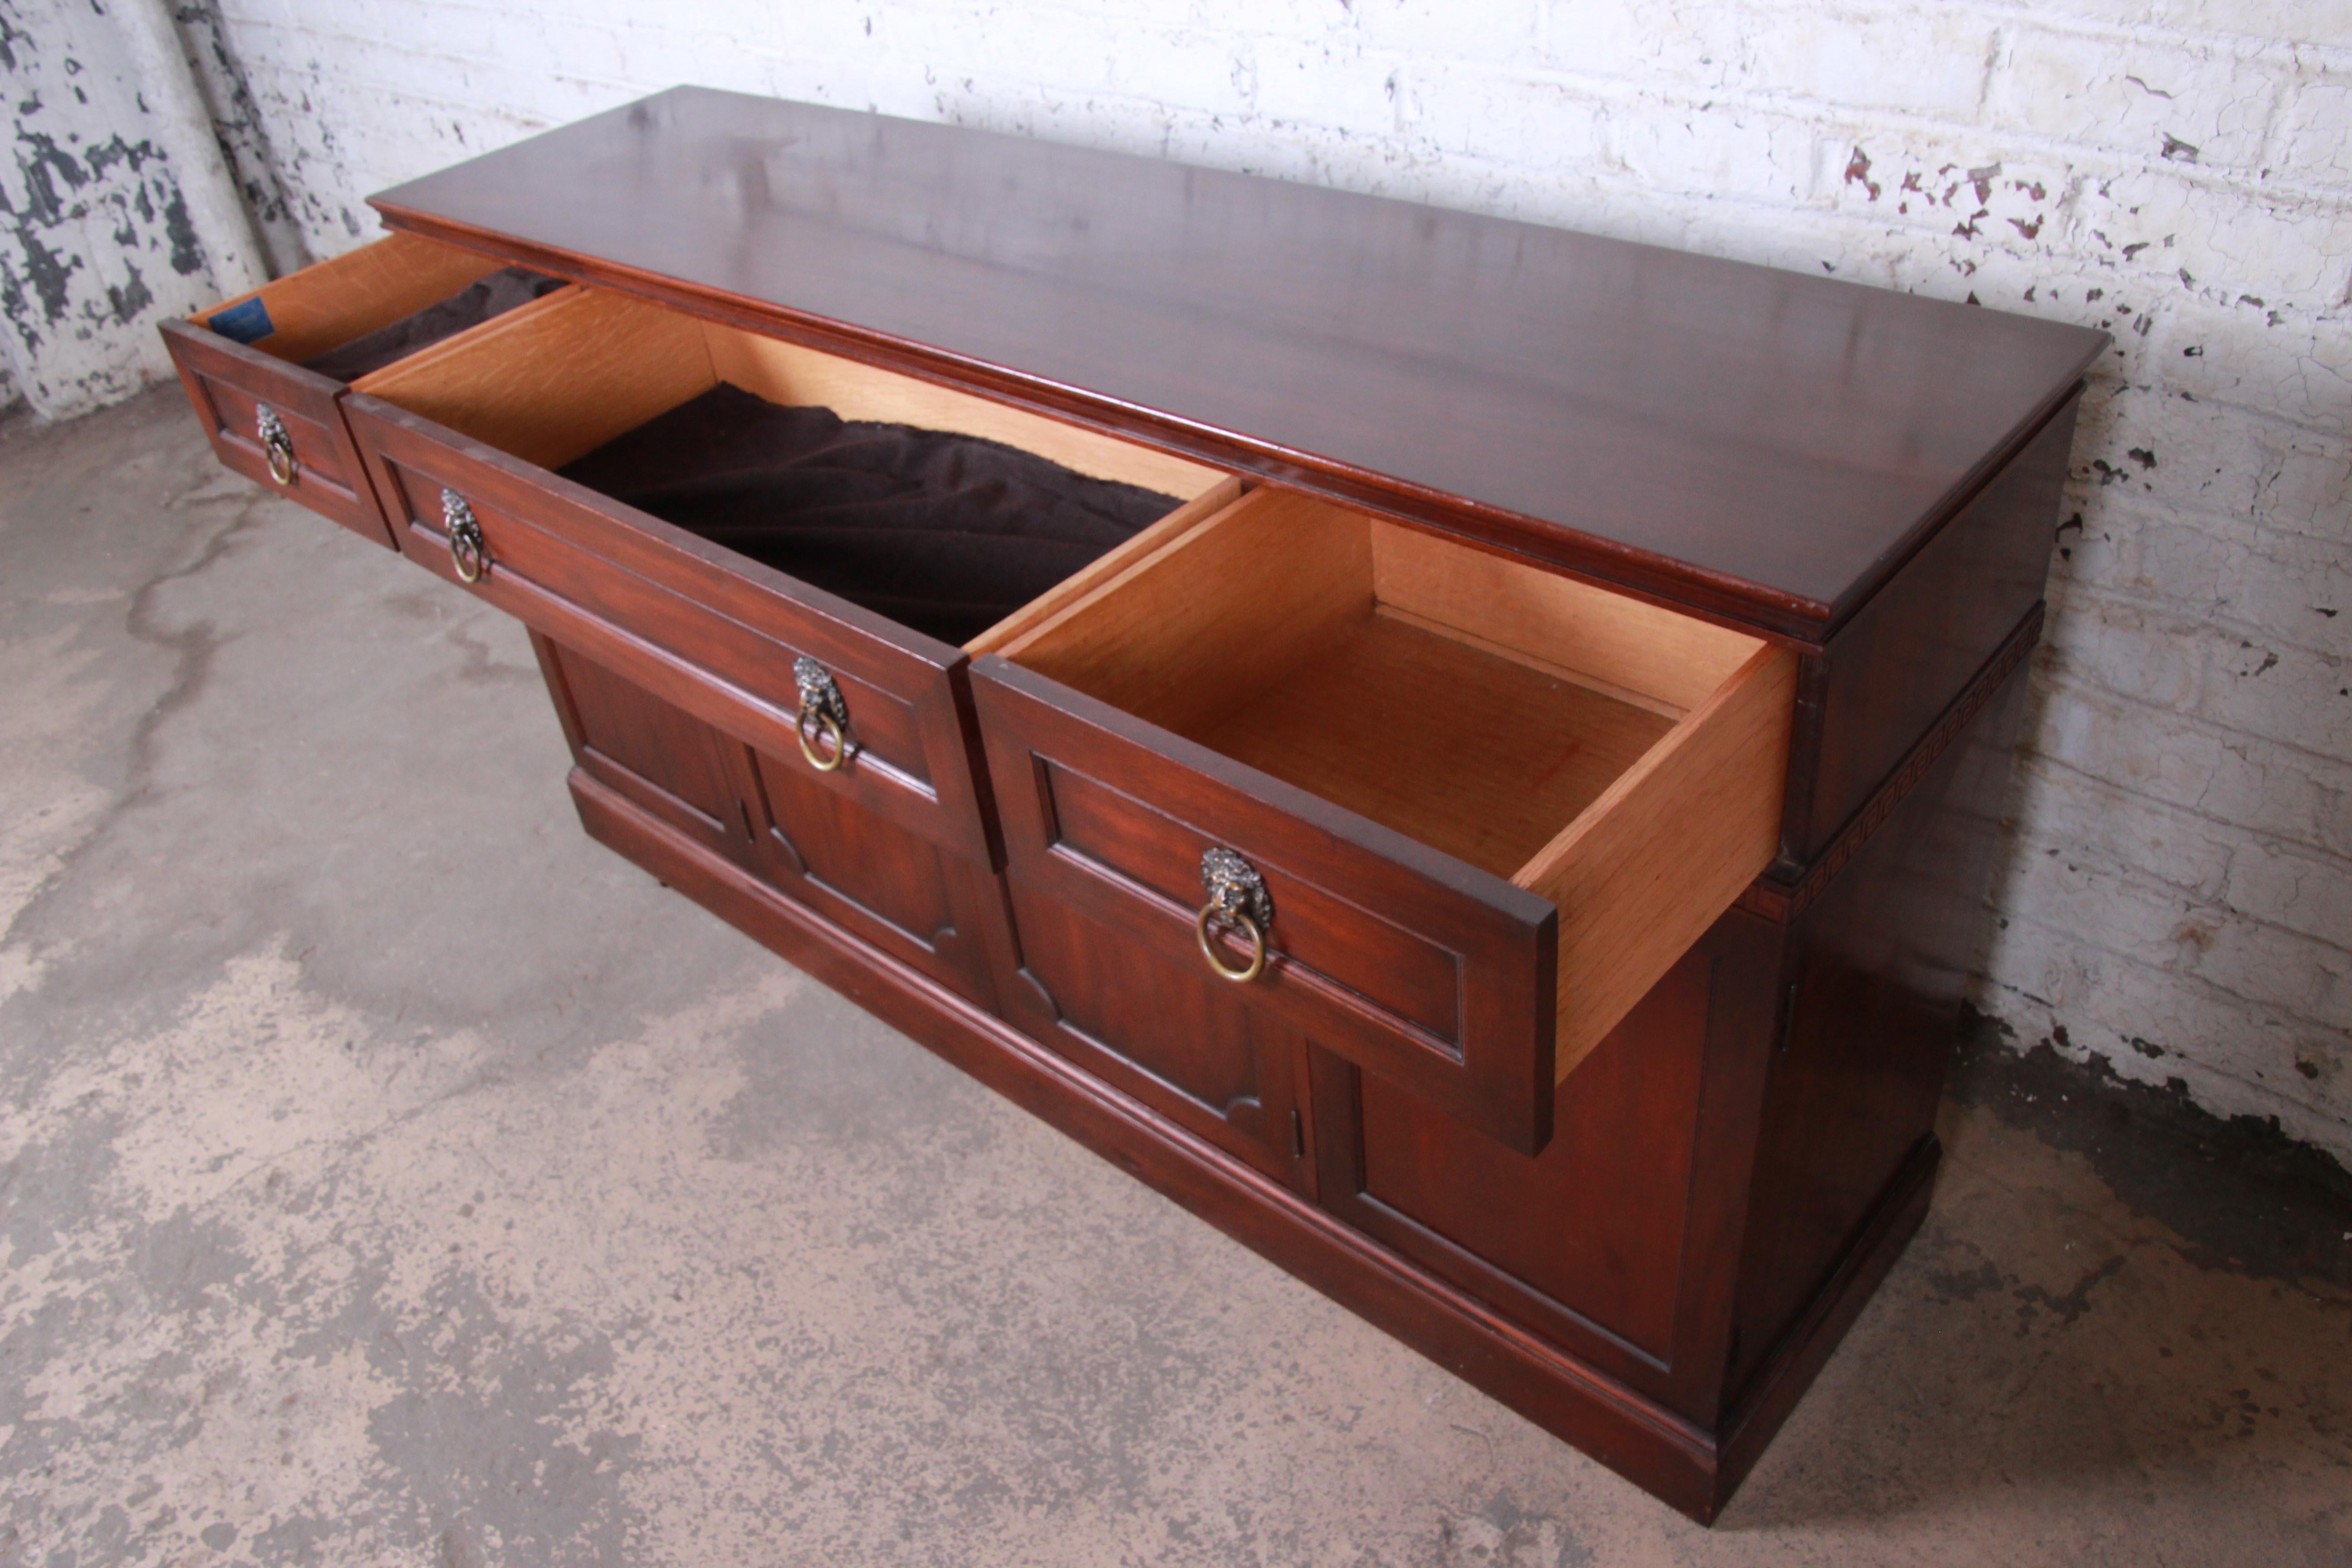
x,y
391,1176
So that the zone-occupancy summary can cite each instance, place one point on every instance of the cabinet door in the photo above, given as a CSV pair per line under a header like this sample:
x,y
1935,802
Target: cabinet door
x,y
659,758
1618,1240
1171,1035
868,873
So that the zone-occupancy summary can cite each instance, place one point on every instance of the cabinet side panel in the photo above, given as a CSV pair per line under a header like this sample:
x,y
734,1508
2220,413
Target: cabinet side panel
x,y
1901,660
1878,962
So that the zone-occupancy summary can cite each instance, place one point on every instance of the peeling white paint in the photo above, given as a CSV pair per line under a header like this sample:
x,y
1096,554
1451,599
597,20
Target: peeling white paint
x,y
116,209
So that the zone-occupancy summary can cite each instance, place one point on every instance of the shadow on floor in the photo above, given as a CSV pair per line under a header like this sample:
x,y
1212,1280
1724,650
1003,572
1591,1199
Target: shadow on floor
x,y
2120,1305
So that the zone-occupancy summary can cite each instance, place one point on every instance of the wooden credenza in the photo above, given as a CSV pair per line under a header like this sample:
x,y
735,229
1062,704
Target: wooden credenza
x,y
1506,847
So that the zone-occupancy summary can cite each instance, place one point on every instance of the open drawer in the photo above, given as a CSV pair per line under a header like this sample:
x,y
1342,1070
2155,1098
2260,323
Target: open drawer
x,y
1450,814
463,442
273,419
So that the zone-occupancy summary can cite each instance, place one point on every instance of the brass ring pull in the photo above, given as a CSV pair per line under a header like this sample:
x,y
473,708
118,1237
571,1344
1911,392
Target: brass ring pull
x,y
1237,896
1256,965
829,725
822,704
277,446
469,551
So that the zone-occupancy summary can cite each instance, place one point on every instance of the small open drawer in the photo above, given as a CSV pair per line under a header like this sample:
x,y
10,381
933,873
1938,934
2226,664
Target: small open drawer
x,y
1452,814
275,421
462,443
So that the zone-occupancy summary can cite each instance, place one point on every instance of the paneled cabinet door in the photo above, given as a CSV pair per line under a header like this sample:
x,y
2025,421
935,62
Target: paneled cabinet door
x,y
657,757
866,873
1172,1034
821,846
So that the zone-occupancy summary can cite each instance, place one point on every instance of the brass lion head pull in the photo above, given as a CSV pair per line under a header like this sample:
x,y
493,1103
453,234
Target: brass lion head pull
x,y
467,550
1237,898
277,446
823,712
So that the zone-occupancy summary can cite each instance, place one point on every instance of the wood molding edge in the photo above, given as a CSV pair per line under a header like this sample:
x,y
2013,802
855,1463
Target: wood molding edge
x,y
1783,900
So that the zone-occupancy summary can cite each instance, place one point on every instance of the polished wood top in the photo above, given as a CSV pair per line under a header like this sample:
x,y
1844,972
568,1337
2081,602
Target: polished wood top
x,y
1764,446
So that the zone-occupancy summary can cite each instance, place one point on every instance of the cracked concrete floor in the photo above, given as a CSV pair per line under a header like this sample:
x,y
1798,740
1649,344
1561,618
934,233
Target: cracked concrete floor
x,y
391,1176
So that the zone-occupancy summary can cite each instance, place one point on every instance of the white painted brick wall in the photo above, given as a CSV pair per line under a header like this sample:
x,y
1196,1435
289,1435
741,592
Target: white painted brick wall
x,y
117,207
2178,893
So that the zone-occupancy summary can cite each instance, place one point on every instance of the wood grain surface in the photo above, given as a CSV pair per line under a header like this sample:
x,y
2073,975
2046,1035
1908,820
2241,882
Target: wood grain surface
x,y
329,304
1766,445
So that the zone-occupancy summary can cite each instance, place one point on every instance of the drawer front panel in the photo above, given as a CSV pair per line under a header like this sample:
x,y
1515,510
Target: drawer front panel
x,y
1163,1031
697,627
229,383
1412,977
1417,967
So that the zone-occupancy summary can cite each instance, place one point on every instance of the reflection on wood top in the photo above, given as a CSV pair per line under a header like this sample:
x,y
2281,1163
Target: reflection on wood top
x,y
1760,443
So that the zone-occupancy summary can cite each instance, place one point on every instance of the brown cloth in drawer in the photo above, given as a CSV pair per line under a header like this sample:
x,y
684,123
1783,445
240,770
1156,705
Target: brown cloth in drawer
x,y
470,307
945,533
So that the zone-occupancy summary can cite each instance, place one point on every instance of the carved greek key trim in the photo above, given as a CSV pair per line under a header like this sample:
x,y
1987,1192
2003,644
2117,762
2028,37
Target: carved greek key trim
x,y
1784,901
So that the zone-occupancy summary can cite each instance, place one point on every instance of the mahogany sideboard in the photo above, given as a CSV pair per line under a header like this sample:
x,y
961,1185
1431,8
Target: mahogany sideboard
x,y
1505,847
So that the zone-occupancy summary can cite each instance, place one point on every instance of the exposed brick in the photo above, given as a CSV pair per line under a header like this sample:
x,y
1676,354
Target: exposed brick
x,y
1480,112
2304,892
2062,809
2166,454
1753,154
2314,134
1965,189
1496,32
2291,364
1842,57
2155,224
1340,84
2154,98
2303,485
2148,656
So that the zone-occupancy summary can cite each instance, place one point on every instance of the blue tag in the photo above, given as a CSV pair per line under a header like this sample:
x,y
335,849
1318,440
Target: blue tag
x,y
245,324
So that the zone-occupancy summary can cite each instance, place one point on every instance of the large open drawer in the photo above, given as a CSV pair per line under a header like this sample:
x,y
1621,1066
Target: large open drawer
x,y
462,441
275,421
1486,807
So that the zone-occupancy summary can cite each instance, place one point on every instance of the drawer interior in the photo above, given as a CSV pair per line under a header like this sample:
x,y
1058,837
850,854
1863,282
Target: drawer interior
x,y
1338,653
1621,759
373,305
786,454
